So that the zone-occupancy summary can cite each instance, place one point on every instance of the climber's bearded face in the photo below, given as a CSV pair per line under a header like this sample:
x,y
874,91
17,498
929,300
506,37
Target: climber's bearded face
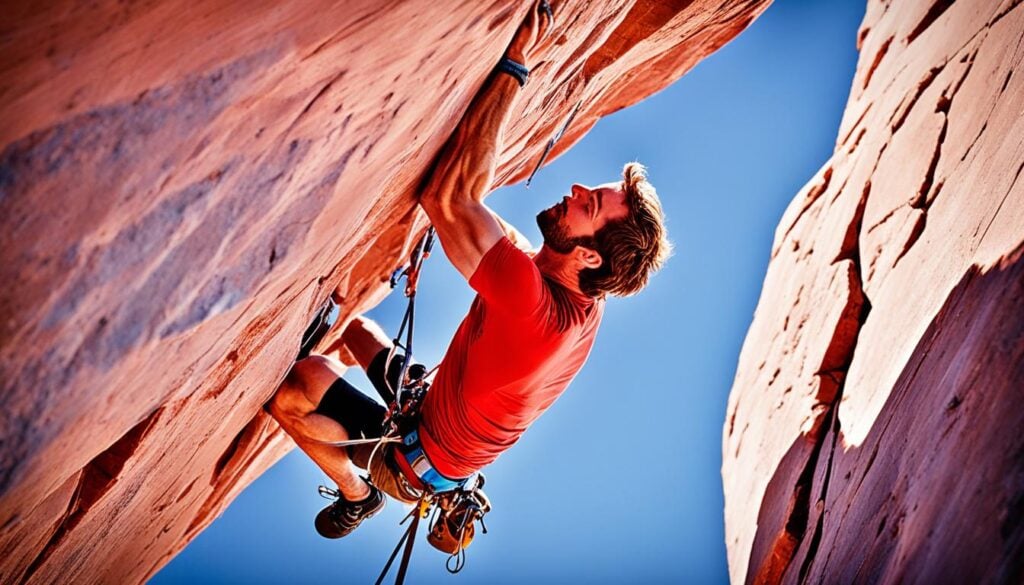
x,y
577,218
556,233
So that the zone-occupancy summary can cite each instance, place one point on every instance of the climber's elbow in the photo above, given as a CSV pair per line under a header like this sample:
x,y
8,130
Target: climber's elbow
x,y
435,201
442,197
434,207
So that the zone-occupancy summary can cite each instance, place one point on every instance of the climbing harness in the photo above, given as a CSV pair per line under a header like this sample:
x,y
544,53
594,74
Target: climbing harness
x,y
551,143
456,504
451,527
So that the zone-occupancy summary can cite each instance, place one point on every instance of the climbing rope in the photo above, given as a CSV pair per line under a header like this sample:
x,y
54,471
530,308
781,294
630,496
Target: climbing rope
x,y
420,510
412,277
411,272
465,504
390,432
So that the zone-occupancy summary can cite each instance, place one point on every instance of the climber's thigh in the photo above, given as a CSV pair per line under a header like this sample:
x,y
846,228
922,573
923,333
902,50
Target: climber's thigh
x,y
362,417
304,387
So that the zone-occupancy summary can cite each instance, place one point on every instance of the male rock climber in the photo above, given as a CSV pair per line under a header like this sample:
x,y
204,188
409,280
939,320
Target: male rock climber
x,y
527,333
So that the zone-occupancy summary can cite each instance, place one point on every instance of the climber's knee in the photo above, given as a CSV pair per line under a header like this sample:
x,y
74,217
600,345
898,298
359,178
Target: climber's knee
x,y
289,401
313,376
364,339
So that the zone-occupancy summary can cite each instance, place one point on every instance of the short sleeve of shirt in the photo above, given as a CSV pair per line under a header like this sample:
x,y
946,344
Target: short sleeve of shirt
x,y
507,278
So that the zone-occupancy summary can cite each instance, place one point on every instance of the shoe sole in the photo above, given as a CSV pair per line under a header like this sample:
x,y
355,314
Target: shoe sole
x,y
326,527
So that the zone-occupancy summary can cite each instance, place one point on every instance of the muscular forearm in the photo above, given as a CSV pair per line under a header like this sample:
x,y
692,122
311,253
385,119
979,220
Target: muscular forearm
x,y
465,169
454,192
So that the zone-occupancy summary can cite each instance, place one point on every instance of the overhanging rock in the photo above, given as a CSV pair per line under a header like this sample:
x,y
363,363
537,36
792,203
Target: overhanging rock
x,y
182,183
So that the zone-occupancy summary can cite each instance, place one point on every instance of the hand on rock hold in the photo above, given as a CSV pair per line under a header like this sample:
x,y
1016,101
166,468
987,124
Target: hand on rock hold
x,y
534,34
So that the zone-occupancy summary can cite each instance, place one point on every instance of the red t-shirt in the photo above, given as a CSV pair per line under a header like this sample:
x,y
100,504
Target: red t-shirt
x,y
507,363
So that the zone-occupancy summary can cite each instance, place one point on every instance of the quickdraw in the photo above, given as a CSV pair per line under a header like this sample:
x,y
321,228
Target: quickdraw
x,y
412,278
551,143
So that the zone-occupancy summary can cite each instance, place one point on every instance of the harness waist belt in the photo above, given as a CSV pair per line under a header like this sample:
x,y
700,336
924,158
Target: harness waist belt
x,y
416,467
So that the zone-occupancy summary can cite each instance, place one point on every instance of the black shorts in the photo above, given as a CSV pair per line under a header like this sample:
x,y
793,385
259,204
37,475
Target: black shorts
x,y
362,417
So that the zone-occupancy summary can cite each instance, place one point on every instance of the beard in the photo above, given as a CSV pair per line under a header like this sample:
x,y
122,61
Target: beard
x,y
556,234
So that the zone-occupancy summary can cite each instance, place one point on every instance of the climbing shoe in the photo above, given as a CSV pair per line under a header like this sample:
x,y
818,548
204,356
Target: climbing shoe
x,y
342,517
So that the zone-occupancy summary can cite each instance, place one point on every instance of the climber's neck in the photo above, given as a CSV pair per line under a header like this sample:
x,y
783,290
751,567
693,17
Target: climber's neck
x,y
562,268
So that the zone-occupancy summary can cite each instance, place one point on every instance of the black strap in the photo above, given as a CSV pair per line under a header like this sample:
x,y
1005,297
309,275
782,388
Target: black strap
x,y
420,253
407,554
517,70
408,539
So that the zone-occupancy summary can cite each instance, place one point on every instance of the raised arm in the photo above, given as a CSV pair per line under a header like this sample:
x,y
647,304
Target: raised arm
x,y
515,236
454,194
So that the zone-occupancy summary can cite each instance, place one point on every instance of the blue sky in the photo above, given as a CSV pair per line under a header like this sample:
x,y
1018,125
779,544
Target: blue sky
x,y
619,482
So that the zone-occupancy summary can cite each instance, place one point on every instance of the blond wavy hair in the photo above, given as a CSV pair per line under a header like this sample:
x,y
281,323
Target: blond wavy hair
x,y
631,248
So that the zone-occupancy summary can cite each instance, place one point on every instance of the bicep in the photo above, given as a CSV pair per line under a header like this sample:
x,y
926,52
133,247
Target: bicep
x,y
466,230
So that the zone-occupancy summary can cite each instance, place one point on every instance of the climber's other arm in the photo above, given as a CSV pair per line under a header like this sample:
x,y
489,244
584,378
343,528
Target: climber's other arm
x,y
517,238
454,194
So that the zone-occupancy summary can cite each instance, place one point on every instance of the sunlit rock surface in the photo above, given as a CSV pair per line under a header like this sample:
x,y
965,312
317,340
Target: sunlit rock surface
x,y
874,430
183,183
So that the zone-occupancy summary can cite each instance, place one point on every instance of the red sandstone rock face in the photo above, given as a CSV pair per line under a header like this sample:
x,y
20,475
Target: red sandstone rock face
x,y
874,427
183,183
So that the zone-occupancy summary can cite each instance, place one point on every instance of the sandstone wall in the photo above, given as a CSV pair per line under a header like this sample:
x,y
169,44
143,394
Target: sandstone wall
x,y
182,183
874,427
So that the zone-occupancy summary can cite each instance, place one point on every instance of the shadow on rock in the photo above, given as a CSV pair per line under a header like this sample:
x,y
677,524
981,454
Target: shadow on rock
x,y
935,493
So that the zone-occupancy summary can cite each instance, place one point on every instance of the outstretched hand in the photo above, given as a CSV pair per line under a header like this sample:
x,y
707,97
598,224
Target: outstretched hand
x,y
532,39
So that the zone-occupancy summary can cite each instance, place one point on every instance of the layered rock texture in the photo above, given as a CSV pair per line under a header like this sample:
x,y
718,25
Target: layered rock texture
x,y
183,183
874,428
